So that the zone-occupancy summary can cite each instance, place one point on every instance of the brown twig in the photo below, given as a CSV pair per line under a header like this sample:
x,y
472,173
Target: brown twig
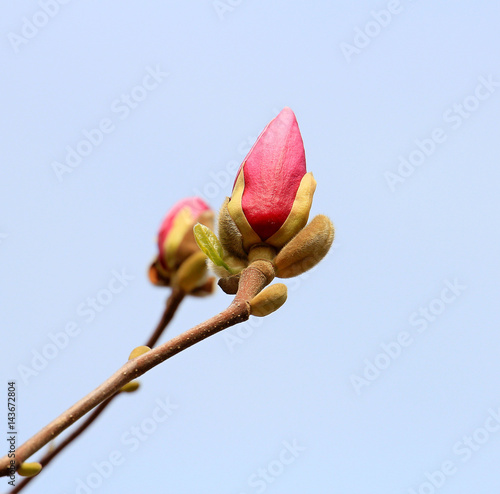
x,y
173,302
46,459
253,280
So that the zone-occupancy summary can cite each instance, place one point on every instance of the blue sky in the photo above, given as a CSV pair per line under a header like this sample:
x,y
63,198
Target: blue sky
x,y
380,373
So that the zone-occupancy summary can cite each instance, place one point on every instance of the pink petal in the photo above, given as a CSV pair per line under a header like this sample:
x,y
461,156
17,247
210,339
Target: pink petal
x,y
195,205
273,170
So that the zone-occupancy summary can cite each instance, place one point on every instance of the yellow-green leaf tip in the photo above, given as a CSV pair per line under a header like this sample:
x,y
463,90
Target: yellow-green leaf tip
x,y
209,243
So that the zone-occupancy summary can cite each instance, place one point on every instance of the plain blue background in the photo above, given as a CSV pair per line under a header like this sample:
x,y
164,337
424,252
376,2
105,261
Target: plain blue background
x,y
291,377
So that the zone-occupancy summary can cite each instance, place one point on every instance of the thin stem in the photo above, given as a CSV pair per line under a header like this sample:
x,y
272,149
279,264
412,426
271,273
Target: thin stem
x,y
173,302
253,280
46,459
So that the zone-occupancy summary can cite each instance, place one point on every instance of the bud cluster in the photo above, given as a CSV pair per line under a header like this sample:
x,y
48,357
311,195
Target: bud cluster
x,y
266,216
265,219
179,263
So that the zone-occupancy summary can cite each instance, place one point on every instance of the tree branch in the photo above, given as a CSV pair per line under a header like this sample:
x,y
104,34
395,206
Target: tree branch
x,y
173,302
46,459
253,279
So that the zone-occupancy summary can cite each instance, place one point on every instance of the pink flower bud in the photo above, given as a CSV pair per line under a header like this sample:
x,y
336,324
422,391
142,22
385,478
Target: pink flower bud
x,y
179,221
176,241
273,192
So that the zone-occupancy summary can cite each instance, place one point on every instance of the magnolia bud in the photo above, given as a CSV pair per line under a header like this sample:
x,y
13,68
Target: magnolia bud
x,y
268,300
306,249
130,387
29,469
140,350
176,242
272,194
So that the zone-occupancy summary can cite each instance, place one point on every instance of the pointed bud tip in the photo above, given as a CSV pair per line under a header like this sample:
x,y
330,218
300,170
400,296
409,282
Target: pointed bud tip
x,y
266,186
287,114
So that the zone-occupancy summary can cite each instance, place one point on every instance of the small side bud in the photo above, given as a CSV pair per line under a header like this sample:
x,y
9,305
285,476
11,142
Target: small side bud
x,y
130,387
306,249
29,469
230,284
140,350
268,300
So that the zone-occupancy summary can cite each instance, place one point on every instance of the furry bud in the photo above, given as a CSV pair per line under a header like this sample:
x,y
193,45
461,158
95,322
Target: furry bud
x,y
306,249
268,300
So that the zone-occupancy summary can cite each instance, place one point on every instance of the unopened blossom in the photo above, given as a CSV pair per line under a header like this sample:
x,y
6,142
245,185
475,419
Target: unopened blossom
x,y
179,259
265,219
273,192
